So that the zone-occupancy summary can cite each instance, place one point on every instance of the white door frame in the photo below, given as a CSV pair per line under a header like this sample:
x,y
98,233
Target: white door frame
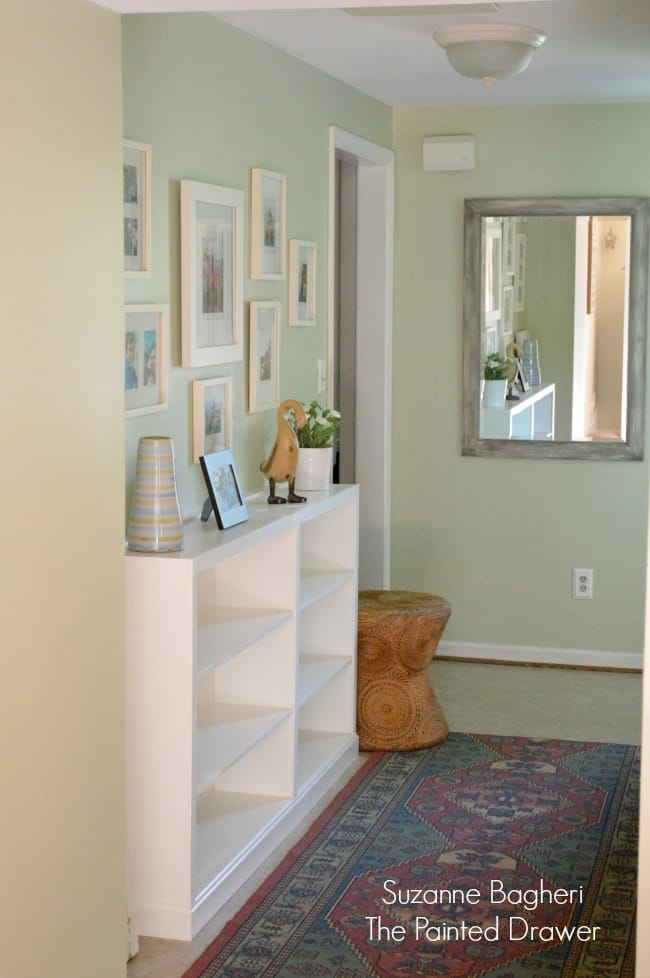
x,y
374,318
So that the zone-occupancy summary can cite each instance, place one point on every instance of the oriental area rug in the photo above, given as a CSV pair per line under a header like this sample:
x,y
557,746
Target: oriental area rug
x,y
505,857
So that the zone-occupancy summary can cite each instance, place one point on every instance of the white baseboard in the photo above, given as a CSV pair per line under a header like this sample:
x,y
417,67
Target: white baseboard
x,y
536,655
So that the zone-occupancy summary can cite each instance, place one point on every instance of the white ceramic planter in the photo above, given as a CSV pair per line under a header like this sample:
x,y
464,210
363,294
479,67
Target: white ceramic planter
x,y
314,472
494,393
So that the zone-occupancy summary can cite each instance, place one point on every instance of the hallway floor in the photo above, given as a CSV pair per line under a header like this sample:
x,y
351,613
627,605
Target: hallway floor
x,y
530,701
569,704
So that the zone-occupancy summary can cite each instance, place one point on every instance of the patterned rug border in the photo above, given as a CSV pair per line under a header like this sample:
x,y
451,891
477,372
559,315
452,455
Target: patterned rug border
x,y
356,786
254,901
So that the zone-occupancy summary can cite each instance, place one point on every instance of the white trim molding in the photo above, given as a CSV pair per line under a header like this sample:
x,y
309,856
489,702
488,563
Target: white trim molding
x,y
540,656
374,336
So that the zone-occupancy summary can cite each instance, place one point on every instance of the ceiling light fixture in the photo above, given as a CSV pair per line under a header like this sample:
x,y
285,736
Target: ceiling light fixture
x,y
489,51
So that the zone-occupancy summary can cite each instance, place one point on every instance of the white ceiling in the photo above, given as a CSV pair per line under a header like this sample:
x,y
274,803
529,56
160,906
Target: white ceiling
x,y
596,50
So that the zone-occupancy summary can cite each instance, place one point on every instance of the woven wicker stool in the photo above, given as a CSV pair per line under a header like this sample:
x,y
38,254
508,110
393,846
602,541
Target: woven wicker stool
x,y
399,632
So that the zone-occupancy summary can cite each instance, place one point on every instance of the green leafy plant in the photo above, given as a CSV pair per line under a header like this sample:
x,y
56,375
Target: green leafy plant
x,y
498,367
321,427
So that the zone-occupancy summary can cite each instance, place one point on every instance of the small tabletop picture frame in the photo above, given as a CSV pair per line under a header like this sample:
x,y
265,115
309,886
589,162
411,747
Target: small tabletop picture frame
x,y
225,493
211,274
136,196
268,224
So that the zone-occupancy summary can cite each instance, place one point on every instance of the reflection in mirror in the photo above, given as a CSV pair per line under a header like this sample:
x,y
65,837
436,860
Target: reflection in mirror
x,y
559,286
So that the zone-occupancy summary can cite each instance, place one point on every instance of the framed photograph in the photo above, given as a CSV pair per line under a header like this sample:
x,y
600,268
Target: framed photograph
x,y
146,344
508,310
509,227
521,380
211,416
520,271
302,283
224,490
211,274
490,342
264,366
268,224
136,196
492,274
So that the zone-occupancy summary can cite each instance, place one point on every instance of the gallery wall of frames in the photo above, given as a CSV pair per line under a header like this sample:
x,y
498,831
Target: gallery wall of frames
x,y
217,251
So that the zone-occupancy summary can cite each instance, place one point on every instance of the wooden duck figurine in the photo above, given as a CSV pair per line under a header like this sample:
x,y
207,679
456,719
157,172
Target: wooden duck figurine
x,y
282,463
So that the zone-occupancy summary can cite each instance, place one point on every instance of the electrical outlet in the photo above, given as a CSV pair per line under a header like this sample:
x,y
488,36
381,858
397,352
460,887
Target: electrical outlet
x,y
583,582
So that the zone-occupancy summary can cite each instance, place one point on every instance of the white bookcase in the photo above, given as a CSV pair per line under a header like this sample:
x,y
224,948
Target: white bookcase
x,y
532,417
240,698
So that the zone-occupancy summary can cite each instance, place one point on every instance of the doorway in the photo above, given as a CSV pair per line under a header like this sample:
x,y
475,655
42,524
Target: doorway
x,y
359,336
600,351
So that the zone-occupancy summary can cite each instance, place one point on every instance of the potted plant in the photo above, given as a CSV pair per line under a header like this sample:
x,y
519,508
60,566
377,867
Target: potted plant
x,y
497,371
316,447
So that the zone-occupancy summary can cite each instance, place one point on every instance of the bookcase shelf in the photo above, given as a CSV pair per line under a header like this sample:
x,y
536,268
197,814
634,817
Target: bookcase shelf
x,y
224,632
531,417
240,699
316,670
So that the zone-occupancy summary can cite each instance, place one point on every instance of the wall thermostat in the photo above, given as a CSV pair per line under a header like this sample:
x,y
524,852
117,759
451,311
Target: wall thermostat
x,y
448,153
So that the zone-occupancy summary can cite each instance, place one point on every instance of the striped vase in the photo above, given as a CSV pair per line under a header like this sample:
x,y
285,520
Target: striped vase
x,y
155,517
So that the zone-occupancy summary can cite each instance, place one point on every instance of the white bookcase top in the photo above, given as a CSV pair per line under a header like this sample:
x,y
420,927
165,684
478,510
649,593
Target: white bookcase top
x,y
525,400
264,520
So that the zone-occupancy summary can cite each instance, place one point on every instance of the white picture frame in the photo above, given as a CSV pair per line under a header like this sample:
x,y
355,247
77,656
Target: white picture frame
x,y
302,282
520,271
211,274
211,416
136,218
492,274
146,358
490,340
509,228
264,356
508,317
268,224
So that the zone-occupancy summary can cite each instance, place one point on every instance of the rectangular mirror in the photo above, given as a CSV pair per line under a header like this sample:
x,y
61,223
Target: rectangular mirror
x,y
557,286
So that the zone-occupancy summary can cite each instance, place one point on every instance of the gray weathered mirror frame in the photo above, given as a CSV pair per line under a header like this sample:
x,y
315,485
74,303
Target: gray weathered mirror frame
x,y
475,210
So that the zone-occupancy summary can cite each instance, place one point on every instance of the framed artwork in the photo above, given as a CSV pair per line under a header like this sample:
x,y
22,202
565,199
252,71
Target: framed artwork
x,y
490,340
224,489
508,310
521,380
211,416
136,219
264,366
302,283
268,224
492,273
508,233
146,343
520,271
211,274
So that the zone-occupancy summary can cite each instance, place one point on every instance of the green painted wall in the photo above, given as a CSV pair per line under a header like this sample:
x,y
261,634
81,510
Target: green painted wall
x,y
214,102
499,537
